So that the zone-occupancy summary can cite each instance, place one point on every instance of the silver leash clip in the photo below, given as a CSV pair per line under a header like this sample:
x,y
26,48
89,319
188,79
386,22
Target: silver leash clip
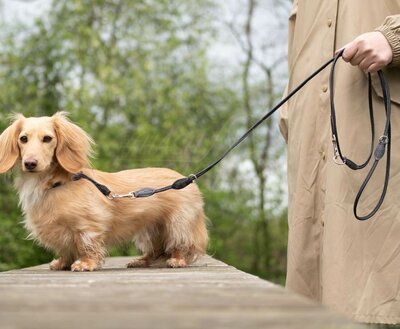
x,y
383,139
336,156
113,196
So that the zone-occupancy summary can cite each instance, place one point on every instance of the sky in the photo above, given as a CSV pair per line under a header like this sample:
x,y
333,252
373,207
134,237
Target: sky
x,y
268,22
23,10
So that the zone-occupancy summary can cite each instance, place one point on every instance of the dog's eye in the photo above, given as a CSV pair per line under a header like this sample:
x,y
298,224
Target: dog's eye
x,y
47,139
23,139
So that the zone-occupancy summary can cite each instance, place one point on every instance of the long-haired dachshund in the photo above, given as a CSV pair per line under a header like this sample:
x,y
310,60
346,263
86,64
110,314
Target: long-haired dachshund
x,y
78,223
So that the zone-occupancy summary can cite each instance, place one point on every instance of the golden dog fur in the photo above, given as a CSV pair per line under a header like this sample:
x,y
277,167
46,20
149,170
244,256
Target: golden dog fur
x,y
75,221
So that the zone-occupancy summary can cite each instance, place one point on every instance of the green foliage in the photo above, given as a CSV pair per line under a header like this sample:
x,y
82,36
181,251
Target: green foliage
x,y
235,229
136,76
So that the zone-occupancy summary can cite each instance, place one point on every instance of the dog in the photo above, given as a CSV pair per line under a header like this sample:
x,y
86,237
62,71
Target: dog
x,y
75,221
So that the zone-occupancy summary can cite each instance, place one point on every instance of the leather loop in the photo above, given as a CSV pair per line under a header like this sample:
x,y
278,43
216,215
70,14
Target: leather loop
x,y
384,140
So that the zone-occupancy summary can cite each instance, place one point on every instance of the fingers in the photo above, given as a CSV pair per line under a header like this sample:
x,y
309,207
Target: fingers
x,y
373,68
369,51
365,63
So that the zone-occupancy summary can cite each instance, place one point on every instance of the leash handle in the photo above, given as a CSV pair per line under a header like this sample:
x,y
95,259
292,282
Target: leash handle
x,y
338,157
384,140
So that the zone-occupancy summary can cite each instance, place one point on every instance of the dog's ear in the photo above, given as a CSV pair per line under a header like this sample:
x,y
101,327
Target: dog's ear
x,y
74,145
9,151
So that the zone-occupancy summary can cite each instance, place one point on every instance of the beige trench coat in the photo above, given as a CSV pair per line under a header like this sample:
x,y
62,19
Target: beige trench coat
x,y
348,265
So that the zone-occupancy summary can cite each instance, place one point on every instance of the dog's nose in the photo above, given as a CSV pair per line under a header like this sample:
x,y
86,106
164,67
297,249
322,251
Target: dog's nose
x,y
30,164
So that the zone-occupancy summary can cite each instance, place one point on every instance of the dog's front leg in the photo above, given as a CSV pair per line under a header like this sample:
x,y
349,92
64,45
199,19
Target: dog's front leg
x,y
91,253
60,264
85,264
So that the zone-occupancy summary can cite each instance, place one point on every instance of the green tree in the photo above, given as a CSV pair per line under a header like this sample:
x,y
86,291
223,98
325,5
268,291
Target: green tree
x,y
261,87
133,74
137,77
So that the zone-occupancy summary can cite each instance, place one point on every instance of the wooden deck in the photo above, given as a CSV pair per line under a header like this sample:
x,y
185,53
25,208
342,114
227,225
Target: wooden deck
x,y
209,294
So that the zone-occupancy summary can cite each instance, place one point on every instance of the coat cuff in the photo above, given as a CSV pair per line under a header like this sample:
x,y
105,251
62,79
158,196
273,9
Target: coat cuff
x,y
391,30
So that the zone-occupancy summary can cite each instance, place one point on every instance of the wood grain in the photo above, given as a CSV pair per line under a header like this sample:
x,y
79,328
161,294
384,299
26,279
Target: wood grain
x,y
208,294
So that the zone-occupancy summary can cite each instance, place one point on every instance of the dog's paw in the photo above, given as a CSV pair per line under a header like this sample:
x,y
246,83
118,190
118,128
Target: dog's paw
x,y
59,265
138,262
176,262
84,265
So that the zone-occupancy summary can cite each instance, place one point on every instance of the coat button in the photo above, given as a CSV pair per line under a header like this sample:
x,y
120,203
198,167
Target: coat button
x,y
324,89
329,22
322,154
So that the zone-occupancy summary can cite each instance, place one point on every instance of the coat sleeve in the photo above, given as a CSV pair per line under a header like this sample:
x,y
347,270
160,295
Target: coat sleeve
x,y
391,30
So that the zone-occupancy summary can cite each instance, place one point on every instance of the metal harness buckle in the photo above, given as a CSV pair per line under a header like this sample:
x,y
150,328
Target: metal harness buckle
x,y
113,196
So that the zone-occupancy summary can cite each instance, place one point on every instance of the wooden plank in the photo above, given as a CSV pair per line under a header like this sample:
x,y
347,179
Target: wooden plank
x,y
208,294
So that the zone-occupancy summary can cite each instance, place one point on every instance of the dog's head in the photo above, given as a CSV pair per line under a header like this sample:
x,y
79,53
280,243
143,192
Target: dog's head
x,y
40,142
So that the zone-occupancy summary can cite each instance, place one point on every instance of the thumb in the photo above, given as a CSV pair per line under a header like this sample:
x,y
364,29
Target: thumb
x,y
350,50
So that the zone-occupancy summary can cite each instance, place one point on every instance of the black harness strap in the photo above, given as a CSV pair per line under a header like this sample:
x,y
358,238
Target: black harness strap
x,y
379,151
102,188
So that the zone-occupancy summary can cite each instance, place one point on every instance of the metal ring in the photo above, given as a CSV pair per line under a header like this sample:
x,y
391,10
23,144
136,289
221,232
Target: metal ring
x,y
192,175
339,162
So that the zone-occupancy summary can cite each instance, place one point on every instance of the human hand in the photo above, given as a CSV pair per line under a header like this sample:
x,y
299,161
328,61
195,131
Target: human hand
x,y
369,51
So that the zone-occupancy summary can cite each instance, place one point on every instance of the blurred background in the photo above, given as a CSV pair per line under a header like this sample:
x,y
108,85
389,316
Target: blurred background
x,y
159,83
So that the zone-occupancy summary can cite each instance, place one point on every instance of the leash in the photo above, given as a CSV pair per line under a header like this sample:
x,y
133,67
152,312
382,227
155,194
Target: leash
x,y
379,152
338,156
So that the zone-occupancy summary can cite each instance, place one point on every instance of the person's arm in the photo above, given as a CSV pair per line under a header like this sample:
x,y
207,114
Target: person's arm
x,y
374,50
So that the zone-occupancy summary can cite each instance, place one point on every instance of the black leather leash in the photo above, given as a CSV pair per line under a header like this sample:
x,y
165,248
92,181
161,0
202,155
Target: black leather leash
x,y
379,151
